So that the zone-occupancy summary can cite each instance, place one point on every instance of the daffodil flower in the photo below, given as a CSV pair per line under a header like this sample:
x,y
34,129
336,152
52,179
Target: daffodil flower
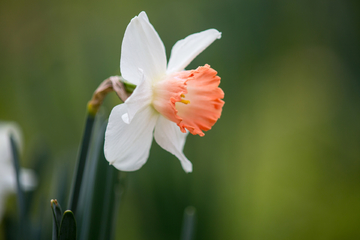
x,y
7,172
168,101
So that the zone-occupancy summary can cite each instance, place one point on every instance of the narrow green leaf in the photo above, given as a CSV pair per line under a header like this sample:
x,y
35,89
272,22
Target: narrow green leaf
x,y
83,214
77,180
108,210
103,194
57,215
67,226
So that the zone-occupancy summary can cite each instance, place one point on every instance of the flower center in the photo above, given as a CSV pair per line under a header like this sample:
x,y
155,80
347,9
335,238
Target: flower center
x,y
183,100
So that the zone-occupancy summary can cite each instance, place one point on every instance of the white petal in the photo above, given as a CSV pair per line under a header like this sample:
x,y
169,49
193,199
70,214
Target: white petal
x,y
140,98
185,50
143,49
127,146
28,179
7,178
6,130
169,137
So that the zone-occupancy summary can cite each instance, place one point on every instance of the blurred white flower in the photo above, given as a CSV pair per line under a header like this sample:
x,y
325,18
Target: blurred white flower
x,y
7,172
167,103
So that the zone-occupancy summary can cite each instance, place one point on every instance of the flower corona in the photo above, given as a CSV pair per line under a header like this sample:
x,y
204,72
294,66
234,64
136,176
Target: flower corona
x,y
191,99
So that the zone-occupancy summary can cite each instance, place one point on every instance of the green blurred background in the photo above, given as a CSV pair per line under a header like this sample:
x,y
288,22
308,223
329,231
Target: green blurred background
x,y
282,162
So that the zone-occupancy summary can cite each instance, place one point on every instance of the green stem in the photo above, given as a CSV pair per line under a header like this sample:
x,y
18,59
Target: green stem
x,y
20,192
129,87
76,185
108,204
188,228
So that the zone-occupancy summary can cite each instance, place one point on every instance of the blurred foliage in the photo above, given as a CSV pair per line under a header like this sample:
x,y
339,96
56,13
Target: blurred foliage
x,y
281,163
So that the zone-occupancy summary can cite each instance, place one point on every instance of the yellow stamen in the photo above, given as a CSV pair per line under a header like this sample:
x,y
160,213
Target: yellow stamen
x,y
185,101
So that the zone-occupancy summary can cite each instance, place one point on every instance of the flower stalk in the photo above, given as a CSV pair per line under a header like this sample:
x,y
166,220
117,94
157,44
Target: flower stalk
x,y
19,189
115,83
122,89
189,222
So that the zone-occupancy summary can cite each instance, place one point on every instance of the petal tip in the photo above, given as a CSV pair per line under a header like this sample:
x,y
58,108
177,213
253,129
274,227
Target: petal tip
x,y
188,169
143,15
215,32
